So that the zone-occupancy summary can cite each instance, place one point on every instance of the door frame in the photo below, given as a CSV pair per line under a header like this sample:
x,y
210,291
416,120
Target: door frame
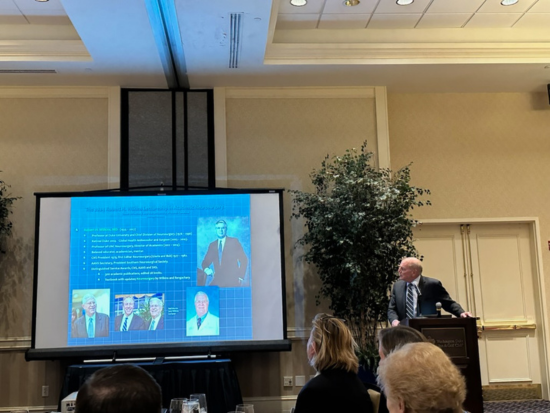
x,y
539,283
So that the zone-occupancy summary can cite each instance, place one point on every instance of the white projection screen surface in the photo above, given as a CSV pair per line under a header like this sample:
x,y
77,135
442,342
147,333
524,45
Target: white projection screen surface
x,y
157,274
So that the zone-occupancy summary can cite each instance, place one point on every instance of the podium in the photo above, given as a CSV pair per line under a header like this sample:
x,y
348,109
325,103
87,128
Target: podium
x,y
457,337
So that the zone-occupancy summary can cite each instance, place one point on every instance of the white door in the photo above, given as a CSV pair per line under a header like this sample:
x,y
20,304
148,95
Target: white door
x,y
490,269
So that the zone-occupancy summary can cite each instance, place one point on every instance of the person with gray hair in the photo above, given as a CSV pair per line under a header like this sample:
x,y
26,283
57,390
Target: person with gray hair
x,y
203,323
91,324
119,389
157,318
420,378
414,294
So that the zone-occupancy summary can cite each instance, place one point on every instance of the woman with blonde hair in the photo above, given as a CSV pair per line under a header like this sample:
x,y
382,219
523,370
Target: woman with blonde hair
x,y
336,387
420,378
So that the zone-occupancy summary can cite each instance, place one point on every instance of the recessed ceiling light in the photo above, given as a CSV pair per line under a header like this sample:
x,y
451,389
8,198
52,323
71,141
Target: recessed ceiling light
x,y
298,3
351,3
404,2
508,2
42,1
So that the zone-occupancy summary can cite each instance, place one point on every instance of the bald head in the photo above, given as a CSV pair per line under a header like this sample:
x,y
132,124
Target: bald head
x,y
409,269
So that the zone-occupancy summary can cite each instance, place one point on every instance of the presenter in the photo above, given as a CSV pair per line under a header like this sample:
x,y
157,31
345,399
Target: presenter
x,y
92,324
155,309
129,321
228,259
203,323
415,294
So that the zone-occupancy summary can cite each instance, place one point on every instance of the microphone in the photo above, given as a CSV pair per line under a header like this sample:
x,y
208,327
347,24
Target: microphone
x,y
438,309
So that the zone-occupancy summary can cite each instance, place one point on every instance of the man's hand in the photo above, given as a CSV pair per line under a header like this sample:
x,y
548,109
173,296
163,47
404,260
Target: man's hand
x,y
395,323
466,314
209,272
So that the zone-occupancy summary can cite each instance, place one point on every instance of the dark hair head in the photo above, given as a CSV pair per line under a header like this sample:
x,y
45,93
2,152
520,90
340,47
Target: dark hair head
x,y
390,339
119,389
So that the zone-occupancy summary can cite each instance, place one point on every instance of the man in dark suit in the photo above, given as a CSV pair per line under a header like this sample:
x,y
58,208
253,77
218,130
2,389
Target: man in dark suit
x,y
128,320
422,293
91,324
157,319
228,258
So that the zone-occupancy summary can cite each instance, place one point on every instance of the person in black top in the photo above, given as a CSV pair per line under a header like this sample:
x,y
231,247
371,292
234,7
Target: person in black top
x,y
336,387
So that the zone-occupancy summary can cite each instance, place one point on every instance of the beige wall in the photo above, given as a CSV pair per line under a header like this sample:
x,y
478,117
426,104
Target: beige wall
x,y
276,143
46,144
481,155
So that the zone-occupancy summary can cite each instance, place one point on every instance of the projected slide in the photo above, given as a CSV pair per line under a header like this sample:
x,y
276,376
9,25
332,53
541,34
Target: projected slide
x,y
160,269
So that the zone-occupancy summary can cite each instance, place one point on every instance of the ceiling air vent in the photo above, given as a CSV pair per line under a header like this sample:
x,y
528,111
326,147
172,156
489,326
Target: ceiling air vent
x,y
235,33
22,71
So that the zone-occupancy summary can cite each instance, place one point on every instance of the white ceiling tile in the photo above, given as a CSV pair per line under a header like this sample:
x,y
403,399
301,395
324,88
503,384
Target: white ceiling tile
x,y
297,21
8,5
493,20
390,6
494,6
338,6
344,21
443,20
393,21
312,6
32,7
12,19
534,21
454,6
541,6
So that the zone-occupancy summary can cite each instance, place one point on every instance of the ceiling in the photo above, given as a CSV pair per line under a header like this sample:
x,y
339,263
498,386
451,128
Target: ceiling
x,y
428,46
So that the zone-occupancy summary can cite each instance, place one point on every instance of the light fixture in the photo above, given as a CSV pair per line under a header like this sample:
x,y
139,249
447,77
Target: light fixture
x,y
508,2
404,2
351,3
298,3
41,1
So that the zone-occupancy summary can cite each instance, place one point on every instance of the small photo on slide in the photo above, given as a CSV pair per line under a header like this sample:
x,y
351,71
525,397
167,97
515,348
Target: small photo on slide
x,y
90,313
203,310
129,312
153,313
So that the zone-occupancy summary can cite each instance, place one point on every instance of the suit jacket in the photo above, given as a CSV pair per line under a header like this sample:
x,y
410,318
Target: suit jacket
x,y
101,326
233,265
334,390
160,325
137,323
431,292
210,326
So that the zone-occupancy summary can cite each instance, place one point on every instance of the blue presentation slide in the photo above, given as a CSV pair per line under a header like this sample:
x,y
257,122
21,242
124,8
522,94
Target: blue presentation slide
x,y
158,269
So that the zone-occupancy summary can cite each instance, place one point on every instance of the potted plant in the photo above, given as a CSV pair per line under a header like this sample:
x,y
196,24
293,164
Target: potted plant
x,y
358,228
6,202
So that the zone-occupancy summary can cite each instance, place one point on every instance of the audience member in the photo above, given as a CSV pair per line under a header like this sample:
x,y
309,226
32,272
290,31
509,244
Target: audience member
x,y
390,339
119,389
336,387
420,378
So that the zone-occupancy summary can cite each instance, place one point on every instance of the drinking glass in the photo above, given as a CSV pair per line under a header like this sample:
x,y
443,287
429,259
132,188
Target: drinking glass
x,y
176,404
245,408
201,397
190,406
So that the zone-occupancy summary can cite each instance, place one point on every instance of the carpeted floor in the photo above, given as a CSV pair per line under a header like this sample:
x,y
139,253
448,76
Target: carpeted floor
x,y
524,406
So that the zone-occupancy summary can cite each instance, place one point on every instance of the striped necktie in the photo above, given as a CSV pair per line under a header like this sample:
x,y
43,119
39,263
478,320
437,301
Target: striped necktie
x,y
152,327
410,300
125,325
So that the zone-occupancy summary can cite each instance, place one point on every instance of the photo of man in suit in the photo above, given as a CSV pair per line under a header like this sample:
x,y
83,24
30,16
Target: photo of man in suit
x,y
157,318
203,323
415,294
225,262
128,320
91,324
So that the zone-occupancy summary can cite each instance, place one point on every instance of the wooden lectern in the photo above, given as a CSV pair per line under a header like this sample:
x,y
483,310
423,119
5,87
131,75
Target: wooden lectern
x,y
457,337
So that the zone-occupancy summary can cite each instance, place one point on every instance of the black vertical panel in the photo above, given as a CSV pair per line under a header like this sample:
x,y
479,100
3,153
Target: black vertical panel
x,y
167,138
198,129
149,138
180,127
